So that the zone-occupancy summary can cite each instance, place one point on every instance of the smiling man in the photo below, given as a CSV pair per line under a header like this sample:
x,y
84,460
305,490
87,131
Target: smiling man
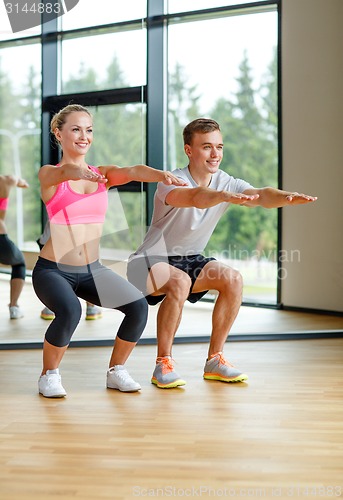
x,y
169,266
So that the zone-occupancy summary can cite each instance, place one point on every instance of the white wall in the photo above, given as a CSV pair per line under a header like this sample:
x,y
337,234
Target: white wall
x,y
312,101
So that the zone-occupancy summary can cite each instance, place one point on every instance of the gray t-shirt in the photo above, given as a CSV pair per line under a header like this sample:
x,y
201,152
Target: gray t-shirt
x,y
185,231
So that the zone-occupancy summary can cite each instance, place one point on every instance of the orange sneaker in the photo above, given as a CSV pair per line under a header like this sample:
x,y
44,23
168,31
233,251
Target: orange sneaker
x,y
217,368
164,376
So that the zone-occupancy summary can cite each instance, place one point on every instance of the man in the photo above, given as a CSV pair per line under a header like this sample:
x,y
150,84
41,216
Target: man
x,y
169,266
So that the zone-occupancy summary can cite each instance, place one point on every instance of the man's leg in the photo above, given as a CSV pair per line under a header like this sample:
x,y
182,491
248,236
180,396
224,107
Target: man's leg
x,y
175,284
228,283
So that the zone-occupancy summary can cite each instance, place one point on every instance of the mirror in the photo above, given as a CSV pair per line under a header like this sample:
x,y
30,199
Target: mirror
x,y
251,324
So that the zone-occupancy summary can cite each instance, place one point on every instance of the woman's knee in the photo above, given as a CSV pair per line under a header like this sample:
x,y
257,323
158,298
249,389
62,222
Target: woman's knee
x,y
67,318
68,311
136,316
67,314
139,308
19,271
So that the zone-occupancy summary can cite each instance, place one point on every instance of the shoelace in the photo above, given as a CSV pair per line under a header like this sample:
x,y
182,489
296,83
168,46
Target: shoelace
x,y
53,378
221,359
167,364
123,375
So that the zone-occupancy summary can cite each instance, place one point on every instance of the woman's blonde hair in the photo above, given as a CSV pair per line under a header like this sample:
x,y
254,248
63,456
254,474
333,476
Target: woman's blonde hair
x,y
59,119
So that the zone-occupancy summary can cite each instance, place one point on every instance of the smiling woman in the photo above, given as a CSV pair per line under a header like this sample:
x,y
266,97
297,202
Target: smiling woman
x,y
68,268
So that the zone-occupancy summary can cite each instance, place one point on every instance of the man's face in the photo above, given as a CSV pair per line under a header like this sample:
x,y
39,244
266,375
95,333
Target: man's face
x,y
206,151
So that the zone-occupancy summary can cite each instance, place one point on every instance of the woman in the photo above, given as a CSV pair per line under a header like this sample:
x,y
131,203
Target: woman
x,y
75,196
9,253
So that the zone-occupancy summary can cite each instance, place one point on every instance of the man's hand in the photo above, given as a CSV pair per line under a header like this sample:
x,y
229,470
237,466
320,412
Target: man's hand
x,y
239,198
299,199
271,197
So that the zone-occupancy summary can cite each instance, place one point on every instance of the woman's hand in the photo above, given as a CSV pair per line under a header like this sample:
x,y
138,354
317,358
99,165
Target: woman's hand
x,y
22,183
89,175
140,173
168,178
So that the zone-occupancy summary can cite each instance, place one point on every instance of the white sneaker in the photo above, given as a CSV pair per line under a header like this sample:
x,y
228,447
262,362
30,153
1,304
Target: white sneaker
x,y
118,378
50,385
15,312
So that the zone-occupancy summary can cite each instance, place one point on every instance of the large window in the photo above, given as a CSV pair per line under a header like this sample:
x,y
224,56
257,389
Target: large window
x,y
224,66
119,139
189,5
87,14
146,68
20,136
122,61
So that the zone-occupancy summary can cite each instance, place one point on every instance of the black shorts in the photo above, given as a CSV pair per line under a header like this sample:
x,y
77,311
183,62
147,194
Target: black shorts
x,y
139,267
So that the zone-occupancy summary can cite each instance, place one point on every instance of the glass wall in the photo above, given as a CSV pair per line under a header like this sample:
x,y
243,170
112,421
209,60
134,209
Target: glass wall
x,y
189,5
145,72
87,14
20,133
225,67
122,62
119,139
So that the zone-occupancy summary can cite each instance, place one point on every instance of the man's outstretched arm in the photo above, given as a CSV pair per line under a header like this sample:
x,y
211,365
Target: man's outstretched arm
x,y
203,197
270,197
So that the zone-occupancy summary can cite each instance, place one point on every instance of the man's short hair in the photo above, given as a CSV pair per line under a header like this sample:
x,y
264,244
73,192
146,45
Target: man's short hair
x,y
200,125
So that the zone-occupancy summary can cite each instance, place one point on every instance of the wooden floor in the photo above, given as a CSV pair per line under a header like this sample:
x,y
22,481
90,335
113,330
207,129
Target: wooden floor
x,y
278,436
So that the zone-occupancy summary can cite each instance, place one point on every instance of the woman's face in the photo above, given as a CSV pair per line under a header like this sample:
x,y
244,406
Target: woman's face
x,y
76,134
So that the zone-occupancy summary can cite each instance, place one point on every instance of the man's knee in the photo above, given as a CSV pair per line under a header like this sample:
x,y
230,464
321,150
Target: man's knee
x,y
169,280
178,286
232,280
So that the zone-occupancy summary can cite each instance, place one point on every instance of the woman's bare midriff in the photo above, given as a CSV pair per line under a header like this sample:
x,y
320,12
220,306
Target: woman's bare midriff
x,y
76,245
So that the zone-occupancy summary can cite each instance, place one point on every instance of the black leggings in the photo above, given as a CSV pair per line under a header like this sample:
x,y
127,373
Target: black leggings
x,y
10,255
59,286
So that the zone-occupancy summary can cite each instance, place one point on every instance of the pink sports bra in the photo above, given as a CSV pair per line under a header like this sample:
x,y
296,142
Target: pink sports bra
x,y
3,203
67,207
